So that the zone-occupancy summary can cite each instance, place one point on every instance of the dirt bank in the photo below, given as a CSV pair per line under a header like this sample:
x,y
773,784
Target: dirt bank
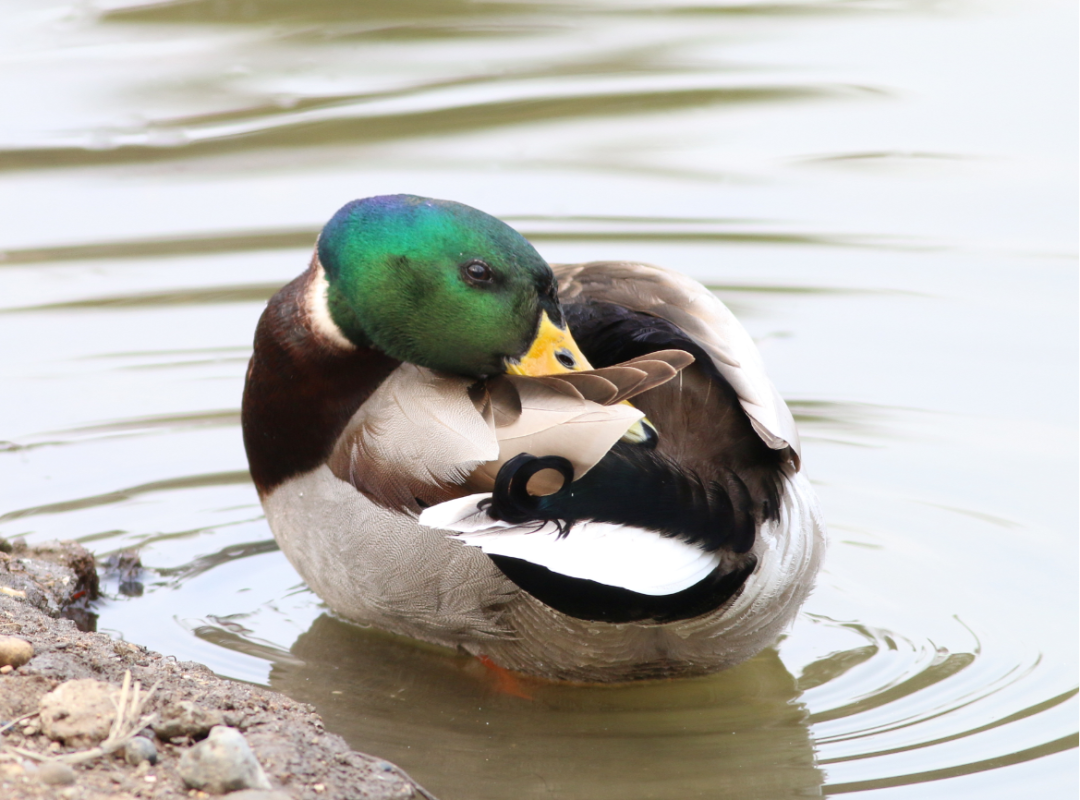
x,y
41,744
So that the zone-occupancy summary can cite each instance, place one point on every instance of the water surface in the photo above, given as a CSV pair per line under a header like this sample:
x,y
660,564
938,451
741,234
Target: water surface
x,y
884,192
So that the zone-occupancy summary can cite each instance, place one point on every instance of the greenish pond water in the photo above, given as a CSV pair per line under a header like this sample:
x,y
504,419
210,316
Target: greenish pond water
x,y
885,192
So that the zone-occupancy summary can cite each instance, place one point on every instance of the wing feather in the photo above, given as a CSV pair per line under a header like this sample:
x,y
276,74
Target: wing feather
x,y
577,415
425,437
616,555
701,316
419,435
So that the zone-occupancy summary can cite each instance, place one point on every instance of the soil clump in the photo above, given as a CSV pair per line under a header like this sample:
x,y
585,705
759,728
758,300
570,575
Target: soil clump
x,y
85,717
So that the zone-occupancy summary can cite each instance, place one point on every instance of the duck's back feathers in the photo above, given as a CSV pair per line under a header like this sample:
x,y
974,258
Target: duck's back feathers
x,y
703,318
703,430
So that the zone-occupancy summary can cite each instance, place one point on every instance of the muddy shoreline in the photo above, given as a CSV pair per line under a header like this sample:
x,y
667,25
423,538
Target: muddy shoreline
x,y
44,592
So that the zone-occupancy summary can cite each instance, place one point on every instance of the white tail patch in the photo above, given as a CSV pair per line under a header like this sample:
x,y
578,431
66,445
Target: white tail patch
x,y
637,559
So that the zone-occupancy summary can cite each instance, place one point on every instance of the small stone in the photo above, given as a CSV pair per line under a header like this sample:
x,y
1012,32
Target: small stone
x,y
222,763
55,773
259,794
186,719
14,652
79,713
4,670
139,750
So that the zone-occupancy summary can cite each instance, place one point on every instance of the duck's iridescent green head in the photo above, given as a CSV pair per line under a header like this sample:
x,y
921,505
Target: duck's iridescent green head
x,y
436,283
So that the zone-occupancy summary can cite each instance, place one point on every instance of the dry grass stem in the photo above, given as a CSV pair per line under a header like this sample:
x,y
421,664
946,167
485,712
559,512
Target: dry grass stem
x,y
15,722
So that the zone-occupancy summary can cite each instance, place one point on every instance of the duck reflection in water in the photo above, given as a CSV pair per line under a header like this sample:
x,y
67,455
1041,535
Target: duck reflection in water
x,y
741,733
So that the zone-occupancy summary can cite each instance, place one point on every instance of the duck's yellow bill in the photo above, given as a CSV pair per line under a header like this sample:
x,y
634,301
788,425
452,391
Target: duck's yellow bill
x,y
553,351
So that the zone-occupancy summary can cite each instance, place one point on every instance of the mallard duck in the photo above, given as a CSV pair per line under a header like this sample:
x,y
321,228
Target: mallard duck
x,y
579,472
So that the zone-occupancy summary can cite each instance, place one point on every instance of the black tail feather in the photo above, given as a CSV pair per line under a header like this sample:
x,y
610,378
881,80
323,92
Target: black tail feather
x,y
631,486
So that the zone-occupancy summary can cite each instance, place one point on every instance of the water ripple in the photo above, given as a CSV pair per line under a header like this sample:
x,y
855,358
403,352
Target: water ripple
x,y
121,495
563,229
312,131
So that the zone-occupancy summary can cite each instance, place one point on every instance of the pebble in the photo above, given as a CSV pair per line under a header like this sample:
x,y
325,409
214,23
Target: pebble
x,y
139,750
55,773
14,652
259,794
79,713
186,719
223,762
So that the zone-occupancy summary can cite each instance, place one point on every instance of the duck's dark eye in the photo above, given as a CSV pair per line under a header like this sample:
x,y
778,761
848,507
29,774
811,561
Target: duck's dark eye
x,y
565,358
478,272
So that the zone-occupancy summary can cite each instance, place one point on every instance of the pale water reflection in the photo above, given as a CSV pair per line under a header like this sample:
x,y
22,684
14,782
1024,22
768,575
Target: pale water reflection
x,y
885,192
743,734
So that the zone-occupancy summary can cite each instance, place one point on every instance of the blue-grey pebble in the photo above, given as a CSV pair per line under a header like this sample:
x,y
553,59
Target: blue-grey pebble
x,y
139,750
